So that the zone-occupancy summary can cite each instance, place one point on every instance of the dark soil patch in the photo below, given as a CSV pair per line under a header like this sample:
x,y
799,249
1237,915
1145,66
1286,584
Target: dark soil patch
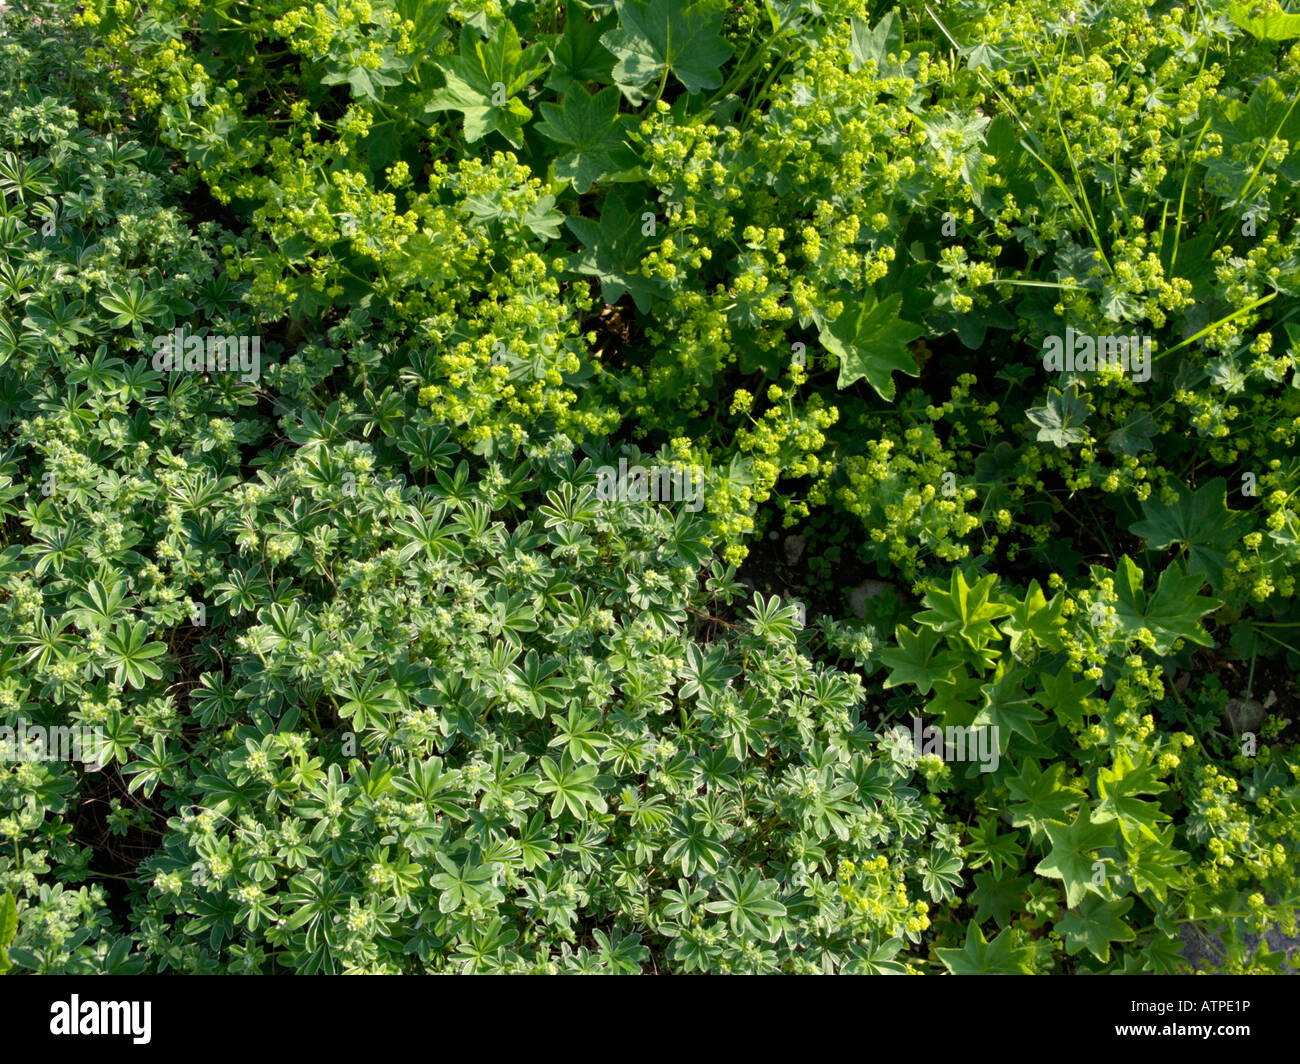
x,y
115,859
201,206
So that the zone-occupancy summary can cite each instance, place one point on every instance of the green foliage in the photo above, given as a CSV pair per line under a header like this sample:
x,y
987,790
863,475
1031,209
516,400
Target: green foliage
x,y
872,344
657,36
1199,520
382,677
586,125
8,928
483,83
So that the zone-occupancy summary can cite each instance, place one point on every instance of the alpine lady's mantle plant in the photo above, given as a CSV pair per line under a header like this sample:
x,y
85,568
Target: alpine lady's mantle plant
x,y
57,743
175,353
658,484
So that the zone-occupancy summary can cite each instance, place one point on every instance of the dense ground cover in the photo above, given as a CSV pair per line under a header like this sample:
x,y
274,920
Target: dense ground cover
x,y
389,673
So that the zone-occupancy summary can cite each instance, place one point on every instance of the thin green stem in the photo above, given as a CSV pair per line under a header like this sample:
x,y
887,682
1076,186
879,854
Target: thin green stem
x,y
1222,321
1268,148
1182,198
742,71
1033,284
1086,217
1279,642
663,81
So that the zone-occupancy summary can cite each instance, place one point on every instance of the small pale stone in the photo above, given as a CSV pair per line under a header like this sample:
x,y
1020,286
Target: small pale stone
x,y
1244,714
794,546
868,589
